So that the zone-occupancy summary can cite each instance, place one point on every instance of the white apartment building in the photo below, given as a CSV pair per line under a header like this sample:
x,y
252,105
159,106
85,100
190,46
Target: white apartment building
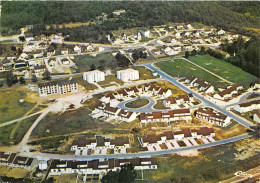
x,y
57,87
94,76
128,75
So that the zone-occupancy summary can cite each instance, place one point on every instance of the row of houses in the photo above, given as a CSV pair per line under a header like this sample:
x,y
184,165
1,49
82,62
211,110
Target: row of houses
x,y
229,92
99,167
57,87
110,112
100,143
16,161
171,136
213,116
247,106
166,117
202,86
174,102
147,89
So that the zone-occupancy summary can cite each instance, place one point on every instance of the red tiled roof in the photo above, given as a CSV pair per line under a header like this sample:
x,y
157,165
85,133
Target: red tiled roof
x,y
246,104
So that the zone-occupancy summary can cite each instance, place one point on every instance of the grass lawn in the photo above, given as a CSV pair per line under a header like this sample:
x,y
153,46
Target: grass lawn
x,y
84,62
126,31
214,164
181,68
166,84
109,79
159,104
137,103
13,134
88,86
224,69
10,107
68,122
145,73
232,130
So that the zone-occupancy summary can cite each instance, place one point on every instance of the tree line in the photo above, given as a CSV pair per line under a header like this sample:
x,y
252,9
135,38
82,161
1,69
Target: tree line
x,y
138,14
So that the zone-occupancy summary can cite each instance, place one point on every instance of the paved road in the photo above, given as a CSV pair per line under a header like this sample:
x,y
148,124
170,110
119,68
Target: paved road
x,y
147,108
198,96
44,156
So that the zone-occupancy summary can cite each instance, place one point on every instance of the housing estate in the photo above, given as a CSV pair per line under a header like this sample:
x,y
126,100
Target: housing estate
x,y
202,86
94,76
168,116
114,113
99,167
57,87
229,92
213,116
99,143
168,137
127,75
15,161
247,106
175,102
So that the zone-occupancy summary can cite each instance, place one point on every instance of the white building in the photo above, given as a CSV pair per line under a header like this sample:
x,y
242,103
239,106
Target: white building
x,y
57,87
212,116
94,76
247,106
128,75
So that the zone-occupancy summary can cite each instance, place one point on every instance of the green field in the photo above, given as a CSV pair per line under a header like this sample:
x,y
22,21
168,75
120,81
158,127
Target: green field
x,y
13,134
84,62
224,69
214,164
10,107
182,68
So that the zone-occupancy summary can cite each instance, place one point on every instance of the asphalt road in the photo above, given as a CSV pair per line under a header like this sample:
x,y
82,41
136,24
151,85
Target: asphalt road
x,y
45,156
195,94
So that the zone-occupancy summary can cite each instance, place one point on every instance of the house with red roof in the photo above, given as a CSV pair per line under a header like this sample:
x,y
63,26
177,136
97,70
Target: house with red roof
x,y
229,92
247,106
174,102
213,116
168,116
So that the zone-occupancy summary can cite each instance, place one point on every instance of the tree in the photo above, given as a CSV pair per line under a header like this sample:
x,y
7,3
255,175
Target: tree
x,y
13,48
34,78
202,51
92,67
22,80
193,53
110,177
46,75
21,38
15,79
136,55
127,174
187,54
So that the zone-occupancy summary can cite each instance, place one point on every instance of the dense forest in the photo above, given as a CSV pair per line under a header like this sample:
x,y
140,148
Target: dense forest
x,y
226,15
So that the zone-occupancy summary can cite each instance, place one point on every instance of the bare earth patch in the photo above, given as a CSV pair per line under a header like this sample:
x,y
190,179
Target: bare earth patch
x,y
189,153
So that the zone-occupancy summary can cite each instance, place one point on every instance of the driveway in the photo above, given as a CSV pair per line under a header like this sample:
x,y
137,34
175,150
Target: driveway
x,y
193,141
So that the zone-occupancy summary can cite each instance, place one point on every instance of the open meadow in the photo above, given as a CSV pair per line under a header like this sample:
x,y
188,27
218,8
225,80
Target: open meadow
x,y
181,68
10,107
224,69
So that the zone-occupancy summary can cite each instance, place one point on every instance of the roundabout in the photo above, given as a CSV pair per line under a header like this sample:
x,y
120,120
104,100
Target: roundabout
x,y
146,108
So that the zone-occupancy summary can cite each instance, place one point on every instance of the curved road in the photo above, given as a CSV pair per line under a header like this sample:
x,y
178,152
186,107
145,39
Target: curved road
x,y
45,156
